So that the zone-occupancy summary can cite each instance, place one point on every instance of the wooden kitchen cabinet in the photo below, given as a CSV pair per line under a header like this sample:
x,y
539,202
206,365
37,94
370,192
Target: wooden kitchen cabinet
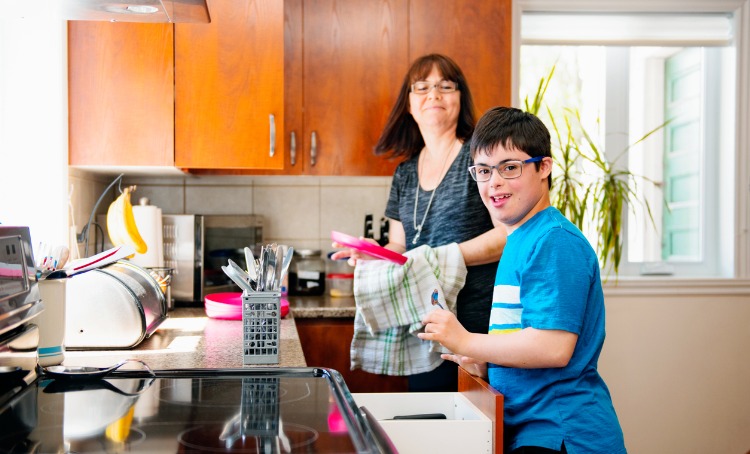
x,y
477,35
325,67
354,56
120,97
229,87
326,342
188,95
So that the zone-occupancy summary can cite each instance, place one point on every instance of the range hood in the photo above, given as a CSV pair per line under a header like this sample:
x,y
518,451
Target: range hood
x,y
156,11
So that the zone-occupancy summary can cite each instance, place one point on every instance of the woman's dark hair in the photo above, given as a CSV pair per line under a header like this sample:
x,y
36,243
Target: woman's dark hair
x,y
511,128
401,136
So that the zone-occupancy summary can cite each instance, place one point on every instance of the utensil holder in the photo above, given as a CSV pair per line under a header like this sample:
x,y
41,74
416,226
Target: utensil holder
x,y
261,320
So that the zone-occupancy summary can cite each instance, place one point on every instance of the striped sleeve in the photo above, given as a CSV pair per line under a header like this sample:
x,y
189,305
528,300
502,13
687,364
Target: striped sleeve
x,y
505,316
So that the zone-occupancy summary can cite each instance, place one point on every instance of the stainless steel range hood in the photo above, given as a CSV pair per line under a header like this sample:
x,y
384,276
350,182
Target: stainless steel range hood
x,y
155,11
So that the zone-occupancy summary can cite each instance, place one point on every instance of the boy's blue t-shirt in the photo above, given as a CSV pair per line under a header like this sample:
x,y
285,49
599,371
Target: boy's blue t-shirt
x,y
548,278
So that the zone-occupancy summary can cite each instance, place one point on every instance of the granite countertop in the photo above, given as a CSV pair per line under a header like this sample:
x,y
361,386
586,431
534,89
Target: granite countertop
x,y
188,339
321,306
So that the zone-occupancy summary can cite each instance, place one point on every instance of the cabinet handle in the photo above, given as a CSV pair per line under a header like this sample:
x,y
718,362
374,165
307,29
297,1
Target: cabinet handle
x,y
272,149
293,147
313,147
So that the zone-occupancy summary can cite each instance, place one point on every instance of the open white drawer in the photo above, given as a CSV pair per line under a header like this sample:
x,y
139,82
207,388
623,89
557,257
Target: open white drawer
x,y
465,429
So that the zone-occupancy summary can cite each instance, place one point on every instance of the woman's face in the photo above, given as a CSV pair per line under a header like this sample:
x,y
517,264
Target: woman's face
x,y
435,109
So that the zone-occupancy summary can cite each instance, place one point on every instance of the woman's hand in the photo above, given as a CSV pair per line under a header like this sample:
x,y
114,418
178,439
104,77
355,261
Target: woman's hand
x,y
396,243
352,254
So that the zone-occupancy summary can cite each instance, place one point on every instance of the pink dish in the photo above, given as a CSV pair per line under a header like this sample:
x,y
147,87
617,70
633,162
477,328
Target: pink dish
x,y
228,306
368,248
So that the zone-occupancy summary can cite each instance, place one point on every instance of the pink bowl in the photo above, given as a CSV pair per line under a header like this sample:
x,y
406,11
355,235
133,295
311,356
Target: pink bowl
x,y
228,306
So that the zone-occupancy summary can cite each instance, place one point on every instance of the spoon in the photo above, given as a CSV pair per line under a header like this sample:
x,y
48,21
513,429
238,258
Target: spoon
x,y
86,372
434,299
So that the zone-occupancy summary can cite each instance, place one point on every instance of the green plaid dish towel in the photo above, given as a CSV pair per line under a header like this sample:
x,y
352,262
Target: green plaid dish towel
x,y
391,301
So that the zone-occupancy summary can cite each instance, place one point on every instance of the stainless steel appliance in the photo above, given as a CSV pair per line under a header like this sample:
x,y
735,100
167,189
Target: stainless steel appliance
x,y
113,307
20,304
250,410
196,246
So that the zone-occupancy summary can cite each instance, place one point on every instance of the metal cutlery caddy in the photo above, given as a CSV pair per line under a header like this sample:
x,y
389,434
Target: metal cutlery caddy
x,y
261,321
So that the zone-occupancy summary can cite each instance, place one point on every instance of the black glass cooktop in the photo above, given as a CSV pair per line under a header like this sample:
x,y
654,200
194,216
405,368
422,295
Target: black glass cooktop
x,y
191,411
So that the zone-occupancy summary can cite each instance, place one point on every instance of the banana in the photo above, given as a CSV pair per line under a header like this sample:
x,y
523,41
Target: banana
x,y
133,235
115,222
119,430
121,224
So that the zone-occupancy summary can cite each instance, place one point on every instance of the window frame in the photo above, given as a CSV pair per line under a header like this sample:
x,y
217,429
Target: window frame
x,y
741,11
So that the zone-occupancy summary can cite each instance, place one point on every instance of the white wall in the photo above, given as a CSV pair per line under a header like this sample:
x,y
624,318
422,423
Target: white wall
x,y
33,127
33,131
677,365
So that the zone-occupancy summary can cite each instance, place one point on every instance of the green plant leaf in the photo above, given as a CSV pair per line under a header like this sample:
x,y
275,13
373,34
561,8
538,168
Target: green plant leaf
x,y
594,200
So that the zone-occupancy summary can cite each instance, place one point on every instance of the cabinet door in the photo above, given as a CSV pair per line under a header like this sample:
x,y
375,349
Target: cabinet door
x,y
229,87
477,35
355,54
121,102
326,343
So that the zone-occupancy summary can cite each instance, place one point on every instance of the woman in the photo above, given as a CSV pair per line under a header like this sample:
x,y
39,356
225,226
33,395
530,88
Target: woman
x,y
433,200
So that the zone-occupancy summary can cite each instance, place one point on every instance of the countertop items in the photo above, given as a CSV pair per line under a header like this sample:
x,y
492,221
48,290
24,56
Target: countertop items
x,y
188,339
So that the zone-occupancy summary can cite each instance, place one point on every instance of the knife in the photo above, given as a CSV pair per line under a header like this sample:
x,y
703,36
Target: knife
x,y
250,261
245,286
239,272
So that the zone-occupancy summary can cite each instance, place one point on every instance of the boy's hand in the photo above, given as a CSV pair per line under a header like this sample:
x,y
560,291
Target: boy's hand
x,y
472,366
442,326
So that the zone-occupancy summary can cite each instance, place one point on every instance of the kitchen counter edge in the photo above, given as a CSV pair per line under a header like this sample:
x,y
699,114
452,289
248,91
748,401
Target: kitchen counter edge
x,y
188,339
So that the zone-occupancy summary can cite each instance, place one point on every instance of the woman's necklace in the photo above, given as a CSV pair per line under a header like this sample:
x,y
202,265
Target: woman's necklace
x,y
418,228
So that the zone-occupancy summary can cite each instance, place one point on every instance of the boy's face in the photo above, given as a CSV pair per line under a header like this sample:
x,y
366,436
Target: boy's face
x,y
513,201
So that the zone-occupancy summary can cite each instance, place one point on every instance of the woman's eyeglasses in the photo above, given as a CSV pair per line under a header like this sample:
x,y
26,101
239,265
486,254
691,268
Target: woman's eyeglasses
x,y
422,87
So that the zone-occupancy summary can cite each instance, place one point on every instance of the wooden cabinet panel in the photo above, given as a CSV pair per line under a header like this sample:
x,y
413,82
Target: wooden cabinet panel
x,y
354,58
121,103
326,342
229,79
477,35
293,101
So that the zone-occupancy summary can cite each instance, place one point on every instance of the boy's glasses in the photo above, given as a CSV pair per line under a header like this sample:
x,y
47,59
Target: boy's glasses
x,y
507,169
422,87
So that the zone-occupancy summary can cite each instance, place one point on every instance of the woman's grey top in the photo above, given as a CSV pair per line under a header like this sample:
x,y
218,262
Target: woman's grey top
x,y
457,214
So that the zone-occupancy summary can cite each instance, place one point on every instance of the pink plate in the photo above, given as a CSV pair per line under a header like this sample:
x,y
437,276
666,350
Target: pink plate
x,y
228,306
367,247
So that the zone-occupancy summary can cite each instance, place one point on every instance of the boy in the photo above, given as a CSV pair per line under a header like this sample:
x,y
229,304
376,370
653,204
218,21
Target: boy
x,y
547,321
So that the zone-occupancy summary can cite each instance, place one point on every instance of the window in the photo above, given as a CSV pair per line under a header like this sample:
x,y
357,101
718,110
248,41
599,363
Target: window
x,y
626,73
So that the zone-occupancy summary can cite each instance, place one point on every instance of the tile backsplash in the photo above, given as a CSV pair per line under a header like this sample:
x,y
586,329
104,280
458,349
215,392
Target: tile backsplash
x,y
297,210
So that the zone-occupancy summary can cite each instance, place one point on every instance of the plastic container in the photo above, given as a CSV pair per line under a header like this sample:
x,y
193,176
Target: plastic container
x,y
307,273
339,278
340,285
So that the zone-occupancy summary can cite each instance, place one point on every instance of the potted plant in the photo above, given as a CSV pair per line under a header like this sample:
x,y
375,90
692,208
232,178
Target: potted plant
x,y
588,187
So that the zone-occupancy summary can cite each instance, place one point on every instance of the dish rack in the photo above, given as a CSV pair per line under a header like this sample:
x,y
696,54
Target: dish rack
x,y
261,321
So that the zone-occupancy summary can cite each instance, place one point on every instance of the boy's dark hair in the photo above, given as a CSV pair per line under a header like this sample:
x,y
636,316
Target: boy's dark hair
x,y
401,136
512,128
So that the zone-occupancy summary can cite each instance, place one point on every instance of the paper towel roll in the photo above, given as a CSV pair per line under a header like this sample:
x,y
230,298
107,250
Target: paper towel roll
x,y
148,220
